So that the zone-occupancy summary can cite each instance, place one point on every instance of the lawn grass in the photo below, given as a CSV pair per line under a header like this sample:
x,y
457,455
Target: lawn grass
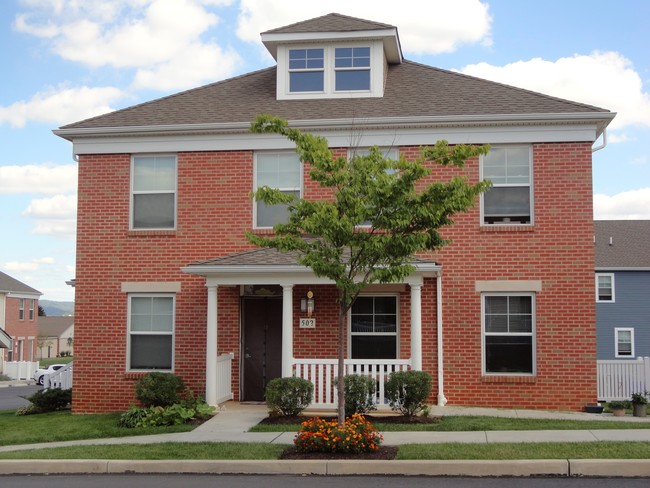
x,y
470,423
63,426
44,363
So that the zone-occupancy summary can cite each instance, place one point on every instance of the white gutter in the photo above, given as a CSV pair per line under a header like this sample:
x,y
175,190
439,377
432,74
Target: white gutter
x,y
442,400
603,145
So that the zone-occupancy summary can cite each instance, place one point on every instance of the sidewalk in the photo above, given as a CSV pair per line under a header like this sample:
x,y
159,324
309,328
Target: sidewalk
x,y
233,421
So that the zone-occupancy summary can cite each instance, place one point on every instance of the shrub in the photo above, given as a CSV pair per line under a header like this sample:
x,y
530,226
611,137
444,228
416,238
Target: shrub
x,y
407,391
28,409
640,398
355,436
359,394
617,405
48,400
159,389
288,396
4,377
155,416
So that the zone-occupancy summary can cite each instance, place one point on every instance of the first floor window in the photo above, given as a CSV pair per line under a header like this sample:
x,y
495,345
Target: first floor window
x,y
283,171
624,338
153,192
509,334
605,287
151,332
373,327
21,309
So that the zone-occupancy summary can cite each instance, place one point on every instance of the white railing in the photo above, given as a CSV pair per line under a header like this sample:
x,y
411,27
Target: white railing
x,y
618,379
224,377
323,372
19,370
61,378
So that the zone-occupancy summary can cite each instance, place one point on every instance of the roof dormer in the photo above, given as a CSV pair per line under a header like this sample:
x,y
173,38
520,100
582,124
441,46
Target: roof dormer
x,y
333,56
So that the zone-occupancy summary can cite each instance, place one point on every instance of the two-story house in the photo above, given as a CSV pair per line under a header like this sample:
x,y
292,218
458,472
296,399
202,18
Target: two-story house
x,y
18,319
622,288
166,280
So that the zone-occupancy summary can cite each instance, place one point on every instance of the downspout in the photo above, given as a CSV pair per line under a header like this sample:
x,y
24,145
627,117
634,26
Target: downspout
x,y
442,400
603,145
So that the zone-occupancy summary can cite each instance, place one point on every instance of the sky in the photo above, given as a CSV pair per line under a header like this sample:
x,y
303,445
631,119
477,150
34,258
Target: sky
x,y
66,60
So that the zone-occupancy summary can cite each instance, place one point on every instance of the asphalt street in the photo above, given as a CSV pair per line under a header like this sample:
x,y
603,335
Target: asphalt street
x,y
11,396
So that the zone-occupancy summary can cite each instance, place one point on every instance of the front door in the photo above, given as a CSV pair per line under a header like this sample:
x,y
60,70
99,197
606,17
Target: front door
x,y
262,344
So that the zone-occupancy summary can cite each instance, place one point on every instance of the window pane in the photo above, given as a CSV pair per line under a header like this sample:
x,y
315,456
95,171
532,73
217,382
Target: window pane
x,y
363,305
512,202
624,345
497,305
151,351
306,81
362,323
152,314
385,323
374,347
496,323
353,80
278,170
520,305
269,215
520,323
511,354
153,211
154,173
387,305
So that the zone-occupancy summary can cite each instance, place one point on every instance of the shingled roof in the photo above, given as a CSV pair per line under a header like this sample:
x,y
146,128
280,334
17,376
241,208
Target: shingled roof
x,y
622,244
330,23
12,285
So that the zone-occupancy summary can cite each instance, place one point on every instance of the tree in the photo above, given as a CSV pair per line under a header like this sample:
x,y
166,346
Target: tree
x,y
379,216
41,311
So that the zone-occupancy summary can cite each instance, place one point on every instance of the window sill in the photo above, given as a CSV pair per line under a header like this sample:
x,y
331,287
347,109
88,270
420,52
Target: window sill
x,y
508,379
263,231
507,228
136,375
148,233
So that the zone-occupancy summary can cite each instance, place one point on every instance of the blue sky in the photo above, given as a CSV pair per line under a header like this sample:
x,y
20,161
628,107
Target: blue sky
x,y
66,60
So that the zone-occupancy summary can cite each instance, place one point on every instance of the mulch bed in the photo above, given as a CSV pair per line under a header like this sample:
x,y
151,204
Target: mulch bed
x,y
388,419
382,454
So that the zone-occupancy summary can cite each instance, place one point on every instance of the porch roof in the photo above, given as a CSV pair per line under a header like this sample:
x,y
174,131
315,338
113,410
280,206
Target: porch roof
x,y
5,340
270,266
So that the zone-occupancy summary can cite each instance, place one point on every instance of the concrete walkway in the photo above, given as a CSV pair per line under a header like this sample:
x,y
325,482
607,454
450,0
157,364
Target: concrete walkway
x,y
233,421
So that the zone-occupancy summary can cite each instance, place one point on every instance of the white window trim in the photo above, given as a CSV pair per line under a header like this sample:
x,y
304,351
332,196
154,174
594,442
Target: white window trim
x,y
132,192
530,186
31,309
391,334
21,309
376,71
301,169
532,334
612,276
616,332
128,331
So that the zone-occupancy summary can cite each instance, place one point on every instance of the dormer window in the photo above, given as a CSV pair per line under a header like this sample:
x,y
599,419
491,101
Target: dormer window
x,y
306,70
352,68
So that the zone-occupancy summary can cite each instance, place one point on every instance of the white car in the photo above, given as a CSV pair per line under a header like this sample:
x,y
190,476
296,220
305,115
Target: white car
x,y
39,374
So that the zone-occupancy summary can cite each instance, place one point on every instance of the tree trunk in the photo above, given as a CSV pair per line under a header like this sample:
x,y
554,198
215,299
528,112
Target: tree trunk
x,y
341,373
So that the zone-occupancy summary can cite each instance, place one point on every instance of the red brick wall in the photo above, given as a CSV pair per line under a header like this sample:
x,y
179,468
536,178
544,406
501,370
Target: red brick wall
x,y
21,329
214,212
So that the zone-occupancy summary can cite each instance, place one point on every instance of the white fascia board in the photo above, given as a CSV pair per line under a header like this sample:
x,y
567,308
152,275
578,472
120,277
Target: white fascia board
x,y
622,268
27,295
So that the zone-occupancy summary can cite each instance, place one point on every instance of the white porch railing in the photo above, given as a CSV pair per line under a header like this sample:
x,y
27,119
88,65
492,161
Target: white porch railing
x,y
323,372
61,378
224,377
618,379
19,370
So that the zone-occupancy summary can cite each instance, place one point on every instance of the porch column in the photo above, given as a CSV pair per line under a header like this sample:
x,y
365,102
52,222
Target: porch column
x,y
211,349
416,327
287,331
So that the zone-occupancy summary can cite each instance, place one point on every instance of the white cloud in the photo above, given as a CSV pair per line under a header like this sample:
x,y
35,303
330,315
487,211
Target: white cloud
x,y
628,205
45,178
439,26
604,79
54,216
46,260
20,267
618,138
60,106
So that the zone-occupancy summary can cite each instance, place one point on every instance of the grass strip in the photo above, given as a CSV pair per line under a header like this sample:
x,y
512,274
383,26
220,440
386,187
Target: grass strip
x,y
63,426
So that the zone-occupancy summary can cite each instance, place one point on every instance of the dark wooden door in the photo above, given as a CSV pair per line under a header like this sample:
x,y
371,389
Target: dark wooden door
x,y
262,345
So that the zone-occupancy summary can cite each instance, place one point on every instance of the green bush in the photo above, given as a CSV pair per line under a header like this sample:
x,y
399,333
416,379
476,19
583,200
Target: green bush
x,y
159,389
176,414
407,391
48,401
288,396
359,394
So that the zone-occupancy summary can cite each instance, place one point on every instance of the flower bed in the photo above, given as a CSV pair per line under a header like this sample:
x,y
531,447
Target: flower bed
x,y
356,435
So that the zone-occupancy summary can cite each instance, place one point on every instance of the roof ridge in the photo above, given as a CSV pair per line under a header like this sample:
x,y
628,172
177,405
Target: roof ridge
x,y
332,14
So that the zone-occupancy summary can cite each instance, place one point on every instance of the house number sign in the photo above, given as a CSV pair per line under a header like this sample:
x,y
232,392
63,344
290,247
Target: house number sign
x,y
307,323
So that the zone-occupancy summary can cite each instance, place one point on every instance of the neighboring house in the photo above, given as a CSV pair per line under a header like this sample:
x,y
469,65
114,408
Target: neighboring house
x,y
18,319
622,288
166,280
55,336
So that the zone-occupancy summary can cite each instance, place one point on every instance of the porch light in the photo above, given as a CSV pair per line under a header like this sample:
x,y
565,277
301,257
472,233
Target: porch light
x,y
308,304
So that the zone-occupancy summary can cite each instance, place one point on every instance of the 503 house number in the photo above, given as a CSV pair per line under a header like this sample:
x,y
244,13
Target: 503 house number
x,y
307,323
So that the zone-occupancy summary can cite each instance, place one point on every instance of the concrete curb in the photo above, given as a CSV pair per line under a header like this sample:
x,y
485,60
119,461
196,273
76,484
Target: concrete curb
x,y
559,467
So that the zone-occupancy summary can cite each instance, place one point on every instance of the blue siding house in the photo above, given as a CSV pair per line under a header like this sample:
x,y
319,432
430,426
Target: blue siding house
x,y
622,288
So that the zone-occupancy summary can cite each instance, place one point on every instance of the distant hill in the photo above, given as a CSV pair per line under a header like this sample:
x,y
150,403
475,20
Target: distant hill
x,y
57,309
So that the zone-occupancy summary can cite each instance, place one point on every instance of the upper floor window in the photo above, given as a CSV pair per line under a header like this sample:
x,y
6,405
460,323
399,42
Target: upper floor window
x,y
151,331
605,287
31,309
352,68
153,192
21,309
281,170
373,327
624,344
306,70
509,201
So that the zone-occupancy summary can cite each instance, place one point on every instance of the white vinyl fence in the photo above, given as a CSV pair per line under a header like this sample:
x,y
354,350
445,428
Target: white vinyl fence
x,y
224,377
61,378
322,374
19,370
618,379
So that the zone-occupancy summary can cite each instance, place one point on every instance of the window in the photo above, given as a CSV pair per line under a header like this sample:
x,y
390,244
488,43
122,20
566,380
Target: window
x,y
509,199
373,327
509,333
21,309
605,287
151,331
281,171
306,70
352,68
153,195
31,310
624,345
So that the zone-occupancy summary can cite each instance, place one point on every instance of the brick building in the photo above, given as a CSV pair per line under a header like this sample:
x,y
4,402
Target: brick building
x,y
166,280
18,319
